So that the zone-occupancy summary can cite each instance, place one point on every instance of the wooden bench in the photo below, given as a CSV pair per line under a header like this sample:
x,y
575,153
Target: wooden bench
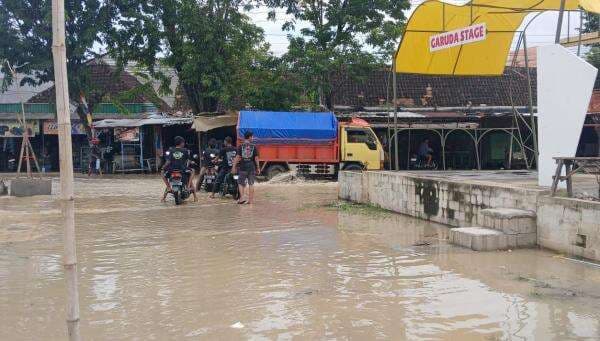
x,y
572,166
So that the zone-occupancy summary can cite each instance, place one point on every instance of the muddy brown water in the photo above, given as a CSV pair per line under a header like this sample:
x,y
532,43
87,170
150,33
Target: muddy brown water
x,y
289,267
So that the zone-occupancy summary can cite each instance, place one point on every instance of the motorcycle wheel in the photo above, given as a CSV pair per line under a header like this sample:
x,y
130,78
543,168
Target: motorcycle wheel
x,y
224,187
177,196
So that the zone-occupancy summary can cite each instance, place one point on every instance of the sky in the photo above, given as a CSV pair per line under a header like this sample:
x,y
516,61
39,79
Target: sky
x,y
541,32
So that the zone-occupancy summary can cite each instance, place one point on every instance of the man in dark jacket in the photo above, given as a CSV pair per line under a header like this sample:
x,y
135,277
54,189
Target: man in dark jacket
x,y
247,166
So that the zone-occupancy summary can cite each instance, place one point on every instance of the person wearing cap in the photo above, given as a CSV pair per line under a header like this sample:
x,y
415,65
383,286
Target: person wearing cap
x,y
178,157
95,157
247,166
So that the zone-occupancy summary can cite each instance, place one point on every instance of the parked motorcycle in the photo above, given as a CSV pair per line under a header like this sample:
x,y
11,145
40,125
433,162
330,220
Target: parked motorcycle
x,y
230,186
417,163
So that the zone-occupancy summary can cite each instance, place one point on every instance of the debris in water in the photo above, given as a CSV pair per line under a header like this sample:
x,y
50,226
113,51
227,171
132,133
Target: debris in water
x,y
287,177
422,243
237,325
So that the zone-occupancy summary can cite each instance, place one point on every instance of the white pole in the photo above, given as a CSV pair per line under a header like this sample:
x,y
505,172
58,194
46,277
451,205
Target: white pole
x,y
61,86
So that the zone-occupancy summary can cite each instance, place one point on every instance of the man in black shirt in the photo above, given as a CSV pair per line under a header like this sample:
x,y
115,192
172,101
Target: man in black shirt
x,y
246,164
226,157
178,158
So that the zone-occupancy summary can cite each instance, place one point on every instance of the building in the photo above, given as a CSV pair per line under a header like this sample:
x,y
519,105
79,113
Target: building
x,y
145,141
470,122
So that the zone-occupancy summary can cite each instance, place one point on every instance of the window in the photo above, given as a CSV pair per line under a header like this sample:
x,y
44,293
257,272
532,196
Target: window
x,y
355,135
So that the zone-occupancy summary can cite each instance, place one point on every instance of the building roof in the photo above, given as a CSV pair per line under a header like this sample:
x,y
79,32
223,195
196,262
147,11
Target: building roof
x,y
434,91
595,102
16,93
517,58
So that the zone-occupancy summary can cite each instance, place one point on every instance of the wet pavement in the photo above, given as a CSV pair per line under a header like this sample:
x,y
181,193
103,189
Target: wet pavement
x,y
296,265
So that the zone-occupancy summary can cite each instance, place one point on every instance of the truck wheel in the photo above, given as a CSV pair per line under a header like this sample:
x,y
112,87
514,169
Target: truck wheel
x,y
275,170
353,168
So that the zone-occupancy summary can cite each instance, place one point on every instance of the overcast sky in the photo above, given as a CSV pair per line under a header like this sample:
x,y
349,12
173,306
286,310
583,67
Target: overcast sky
x,y
540,32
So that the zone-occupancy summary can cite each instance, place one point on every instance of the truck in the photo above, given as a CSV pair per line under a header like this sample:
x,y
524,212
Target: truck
x,y
310,143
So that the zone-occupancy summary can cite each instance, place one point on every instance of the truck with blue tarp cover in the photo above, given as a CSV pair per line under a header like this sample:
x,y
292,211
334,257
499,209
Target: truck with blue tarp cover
x,y
312,143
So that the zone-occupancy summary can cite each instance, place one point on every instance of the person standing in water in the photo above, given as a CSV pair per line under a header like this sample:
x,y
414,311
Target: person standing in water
x,y
247,166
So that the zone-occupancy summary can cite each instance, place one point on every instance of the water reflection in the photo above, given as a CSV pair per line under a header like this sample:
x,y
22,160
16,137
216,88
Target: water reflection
x,y
288,267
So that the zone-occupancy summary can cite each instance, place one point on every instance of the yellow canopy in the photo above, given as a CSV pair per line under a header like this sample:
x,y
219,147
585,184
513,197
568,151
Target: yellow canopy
x,y
486,57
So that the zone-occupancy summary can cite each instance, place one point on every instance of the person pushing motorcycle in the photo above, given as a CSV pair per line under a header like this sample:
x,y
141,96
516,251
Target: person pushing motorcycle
x,y
225,159
178,158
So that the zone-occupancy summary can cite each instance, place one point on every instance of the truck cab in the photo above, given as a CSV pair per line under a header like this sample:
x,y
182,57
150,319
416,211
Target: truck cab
x,y
359,147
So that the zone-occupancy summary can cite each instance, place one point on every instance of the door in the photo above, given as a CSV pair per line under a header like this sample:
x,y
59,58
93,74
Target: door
x,y
361,145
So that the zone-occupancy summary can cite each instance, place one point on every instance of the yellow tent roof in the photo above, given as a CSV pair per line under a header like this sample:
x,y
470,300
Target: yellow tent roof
x,y
487,57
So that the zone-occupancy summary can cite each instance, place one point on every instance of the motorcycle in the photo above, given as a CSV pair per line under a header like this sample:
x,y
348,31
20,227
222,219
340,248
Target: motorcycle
x,y
179,189
210,176
178,180
230,186
418,163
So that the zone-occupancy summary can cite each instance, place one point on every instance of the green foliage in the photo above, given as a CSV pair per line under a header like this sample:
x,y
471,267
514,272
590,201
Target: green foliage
x,y
271,86
592,24
593,56
212,45
26,41
342,35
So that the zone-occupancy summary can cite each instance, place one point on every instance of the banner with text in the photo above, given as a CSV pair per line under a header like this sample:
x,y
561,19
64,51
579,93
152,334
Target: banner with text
x,y
462,36
51,128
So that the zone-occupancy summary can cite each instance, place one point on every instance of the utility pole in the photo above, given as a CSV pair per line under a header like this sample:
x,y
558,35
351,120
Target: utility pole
x,y
61,86
561,14
395,103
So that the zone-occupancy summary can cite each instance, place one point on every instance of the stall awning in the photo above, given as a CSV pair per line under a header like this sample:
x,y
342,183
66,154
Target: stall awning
x,y
125,122
206,123
469,39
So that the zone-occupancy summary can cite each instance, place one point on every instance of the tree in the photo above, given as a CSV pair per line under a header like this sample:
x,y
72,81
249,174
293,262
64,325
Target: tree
x,y
592,24
271,86
342,36
211,44
26,41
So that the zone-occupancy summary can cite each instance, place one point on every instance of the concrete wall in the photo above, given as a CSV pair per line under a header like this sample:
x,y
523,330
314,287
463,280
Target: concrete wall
x,y
564,223
435,199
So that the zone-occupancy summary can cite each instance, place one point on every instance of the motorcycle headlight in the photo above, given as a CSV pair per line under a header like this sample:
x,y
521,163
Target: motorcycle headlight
x,y
236,177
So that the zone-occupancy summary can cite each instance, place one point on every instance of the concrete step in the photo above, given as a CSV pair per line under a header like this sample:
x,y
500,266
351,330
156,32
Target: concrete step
x,y
512,221
479,238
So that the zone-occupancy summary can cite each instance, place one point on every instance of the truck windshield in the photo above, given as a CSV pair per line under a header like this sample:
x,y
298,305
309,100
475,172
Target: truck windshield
x,y
358,135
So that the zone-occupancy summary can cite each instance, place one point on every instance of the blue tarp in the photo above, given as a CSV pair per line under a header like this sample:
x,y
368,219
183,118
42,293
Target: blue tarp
x,y
288,127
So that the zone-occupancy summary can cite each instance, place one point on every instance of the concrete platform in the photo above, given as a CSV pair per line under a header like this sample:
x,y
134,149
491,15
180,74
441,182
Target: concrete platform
x,y
479,238
29,187
510,220
489,199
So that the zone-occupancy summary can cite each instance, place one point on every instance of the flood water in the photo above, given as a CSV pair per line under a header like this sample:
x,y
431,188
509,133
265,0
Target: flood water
x,y
292,266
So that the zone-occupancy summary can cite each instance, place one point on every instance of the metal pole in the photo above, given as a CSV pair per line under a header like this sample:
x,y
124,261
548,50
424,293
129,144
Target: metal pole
x,y
561,14
61,85
530,94
395,103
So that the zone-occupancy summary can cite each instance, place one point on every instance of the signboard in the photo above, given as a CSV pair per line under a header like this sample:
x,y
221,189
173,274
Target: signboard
x,y
461,36
127,134
51,128
14,128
